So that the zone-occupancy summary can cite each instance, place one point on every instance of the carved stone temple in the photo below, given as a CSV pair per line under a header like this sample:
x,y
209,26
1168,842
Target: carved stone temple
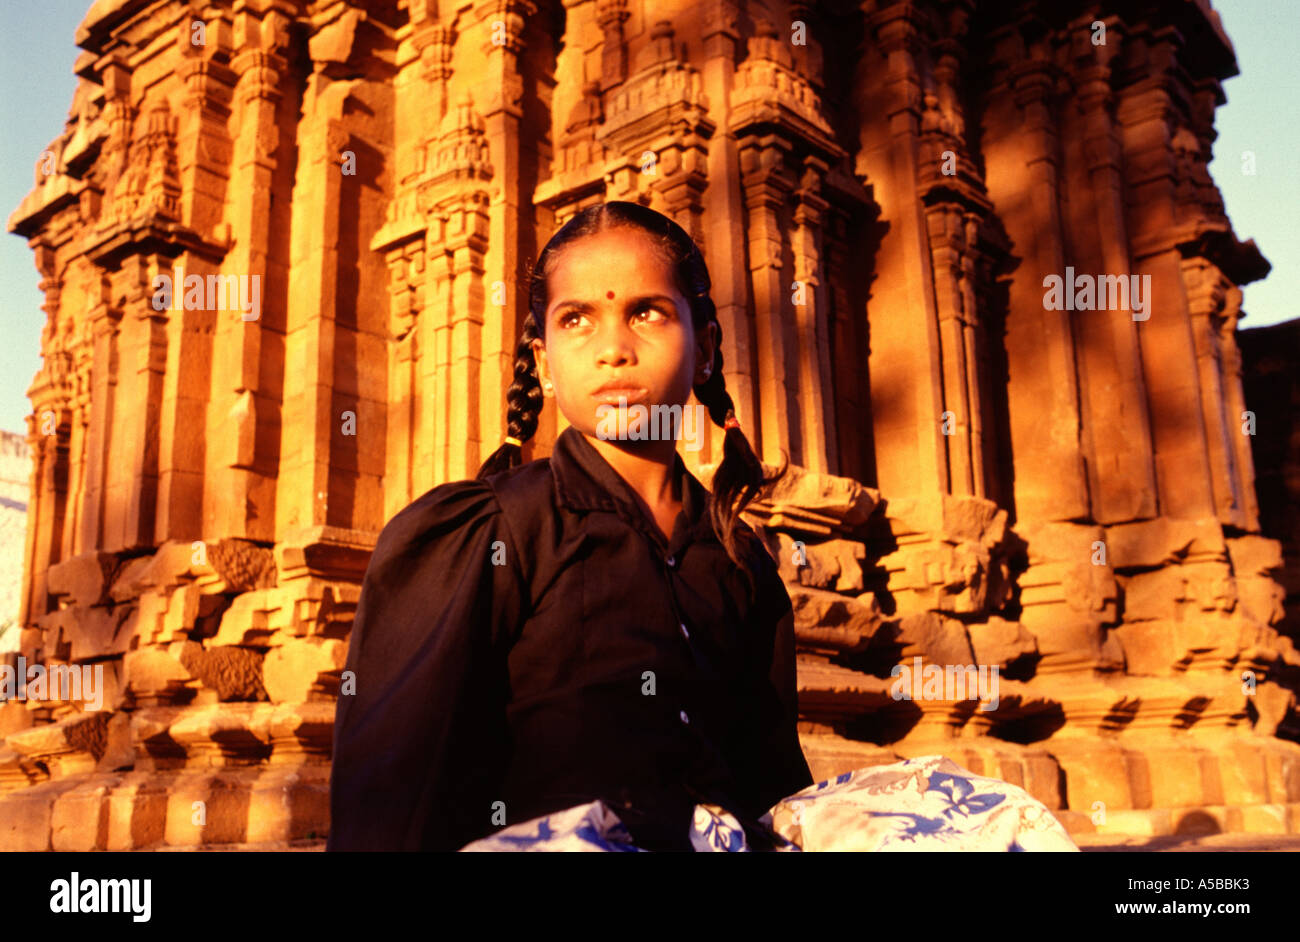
x,y
883,190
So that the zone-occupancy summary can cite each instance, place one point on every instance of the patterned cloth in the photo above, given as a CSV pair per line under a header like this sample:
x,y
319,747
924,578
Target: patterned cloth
x,y
929,803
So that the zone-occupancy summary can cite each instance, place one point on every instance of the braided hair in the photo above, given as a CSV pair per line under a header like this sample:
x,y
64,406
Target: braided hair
x,y
739,477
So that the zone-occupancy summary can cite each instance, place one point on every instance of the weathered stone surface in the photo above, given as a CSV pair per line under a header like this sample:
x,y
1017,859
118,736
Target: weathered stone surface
x,y
1000,642
89,631
293,669
951,555
66,748
172,565
234,673
155,676
932,636
14,716
119,750
1162,540
132,578
830,564
976,477
833,621
84,579
808,502
242,565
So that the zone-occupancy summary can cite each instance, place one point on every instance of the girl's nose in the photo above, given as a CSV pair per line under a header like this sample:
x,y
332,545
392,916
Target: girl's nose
x,y
616,348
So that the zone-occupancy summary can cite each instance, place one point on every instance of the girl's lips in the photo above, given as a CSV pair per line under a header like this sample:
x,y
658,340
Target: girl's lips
x,y
612,396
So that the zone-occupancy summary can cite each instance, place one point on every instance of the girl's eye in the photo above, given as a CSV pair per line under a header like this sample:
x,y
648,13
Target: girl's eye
x,y
658,314
566,320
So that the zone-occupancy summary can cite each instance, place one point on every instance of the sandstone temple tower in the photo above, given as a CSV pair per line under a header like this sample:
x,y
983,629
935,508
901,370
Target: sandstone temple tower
x,y
881,189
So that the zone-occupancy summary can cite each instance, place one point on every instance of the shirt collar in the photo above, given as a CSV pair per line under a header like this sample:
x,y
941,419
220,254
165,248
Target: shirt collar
x,y
584,480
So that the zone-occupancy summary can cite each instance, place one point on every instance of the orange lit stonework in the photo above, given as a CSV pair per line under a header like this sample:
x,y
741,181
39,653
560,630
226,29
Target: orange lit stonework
x,y
976,478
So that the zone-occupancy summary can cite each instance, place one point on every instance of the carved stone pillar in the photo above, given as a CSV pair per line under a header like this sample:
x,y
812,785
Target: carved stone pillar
x,y
1206,296
1113,394
1050,479
1145,113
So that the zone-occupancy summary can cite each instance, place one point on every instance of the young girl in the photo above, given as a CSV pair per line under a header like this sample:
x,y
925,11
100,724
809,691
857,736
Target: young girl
x,y
592,634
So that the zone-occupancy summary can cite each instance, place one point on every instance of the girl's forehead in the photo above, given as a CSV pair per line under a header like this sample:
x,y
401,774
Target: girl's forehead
x,y
636,249
593,278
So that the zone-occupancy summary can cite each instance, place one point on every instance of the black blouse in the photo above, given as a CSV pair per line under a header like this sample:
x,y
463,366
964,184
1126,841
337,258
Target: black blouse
x,y
528,642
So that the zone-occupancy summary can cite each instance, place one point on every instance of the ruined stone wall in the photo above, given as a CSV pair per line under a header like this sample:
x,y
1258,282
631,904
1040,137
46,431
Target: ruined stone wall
x,y
883,191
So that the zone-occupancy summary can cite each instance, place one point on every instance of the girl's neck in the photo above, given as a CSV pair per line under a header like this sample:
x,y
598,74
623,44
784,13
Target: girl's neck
x,y
648,471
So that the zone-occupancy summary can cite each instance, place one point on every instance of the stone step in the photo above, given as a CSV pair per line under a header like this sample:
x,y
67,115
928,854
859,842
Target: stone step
x,y
1245,843
1183,823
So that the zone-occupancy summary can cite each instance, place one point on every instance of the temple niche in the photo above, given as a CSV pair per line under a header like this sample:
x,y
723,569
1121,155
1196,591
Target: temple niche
x,y
880,188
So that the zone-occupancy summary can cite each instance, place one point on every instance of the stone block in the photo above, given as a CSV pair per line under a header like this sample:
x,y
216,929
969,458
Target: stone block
x,y
26,816
1244,775
172,564
235,673
1161,541
1108,441
289,804
79,818
156,676
934,637
1264,819
89,632
1153,595
1000,642
1149,823
84,579
1094,772
189,813
137,812
14,717
1254,555
1148,647
248,621
291,670
1175,776
835,565
810,501
833,621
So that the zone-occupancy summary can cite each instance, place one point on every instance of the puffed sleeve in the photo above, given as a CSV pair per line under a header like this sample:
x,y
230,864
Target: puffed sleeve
x,y
775,766
421,746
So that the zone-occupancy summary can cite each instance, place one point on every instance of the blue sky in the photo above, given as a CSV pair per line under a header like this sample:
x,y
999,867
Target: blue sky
x,y
37,52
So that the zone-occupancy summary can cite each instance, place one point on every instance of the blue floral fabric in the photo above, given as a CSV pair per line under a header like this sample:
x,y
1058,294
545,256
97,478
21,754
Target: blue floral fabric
x,y
926,804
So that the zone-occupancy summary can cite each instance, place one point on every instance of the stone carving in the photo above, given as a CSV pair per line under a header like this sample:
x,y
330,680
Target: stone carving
x,y
1062,499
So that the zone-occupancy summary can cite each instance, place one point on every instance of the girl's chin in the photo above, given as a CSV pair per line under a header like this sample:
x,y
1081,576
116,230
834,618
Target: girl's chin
x,y
634,425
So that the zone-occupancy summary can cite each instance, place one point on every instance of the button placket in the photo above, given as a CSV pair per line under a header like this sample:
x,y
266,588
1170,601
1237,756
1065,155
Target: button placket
x,y
670,562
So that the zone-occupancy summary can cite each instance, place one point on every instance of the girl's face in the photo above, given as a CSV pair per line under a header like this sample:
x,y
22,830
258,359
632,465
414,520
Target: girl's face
x,y
616,325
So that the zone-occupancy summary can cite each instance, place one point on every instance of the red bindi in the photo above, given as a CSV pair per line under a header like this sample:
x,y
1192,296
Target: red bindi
x,y
610,295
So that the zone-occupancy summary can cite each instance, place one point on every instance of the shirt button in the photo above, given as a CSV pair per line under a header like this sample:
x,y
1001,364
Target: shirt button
x,y
671,560
685,718
686,633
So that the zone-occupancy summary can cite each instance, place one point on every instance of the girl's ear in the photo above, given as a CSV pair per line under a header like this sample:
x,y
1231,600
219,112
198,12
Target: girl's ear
x,y
706,345
543,369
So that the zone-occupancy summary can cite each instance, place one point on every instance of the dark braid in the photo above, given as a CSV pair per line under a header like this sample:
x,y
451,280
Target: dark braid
x,y
738,478
524,403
